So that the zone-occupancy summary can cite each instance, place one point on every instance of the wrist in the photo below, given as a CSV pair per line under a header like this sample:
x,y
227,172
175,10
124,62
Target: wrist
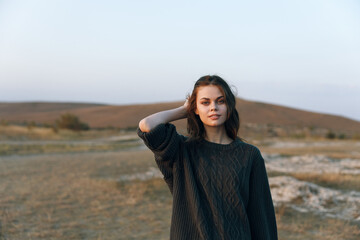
x,y
183,111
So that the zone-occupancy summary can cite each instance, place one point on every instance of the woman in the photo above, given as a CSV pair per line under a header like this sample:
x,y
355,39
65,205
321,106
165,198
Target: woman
x,y
219,183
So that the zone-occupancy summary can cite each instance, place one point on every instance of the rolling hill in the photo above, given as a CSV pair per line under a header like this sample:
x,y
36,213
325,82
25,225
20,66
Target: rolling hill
x,y
128,116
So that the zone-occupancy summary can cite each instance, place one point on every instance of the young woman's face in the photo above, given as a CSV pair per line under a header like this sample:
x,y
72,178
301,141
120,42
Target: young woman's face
x,y
211,106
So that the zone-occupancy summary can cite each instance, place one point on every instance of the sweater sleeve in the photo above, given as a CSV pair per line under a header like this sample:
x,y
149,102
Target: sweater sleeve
x,y
164,142
260,208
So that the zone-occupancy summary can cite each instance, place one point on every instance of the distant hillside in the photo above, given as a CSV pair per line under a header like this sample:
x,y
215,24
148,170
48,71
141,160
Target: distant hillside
x,y
128,116
21,108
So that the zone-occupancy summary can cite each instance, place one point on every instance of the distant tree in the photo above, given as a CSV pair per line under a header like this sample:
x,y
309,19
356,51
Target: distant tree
x,y
330,135
342,136
72,122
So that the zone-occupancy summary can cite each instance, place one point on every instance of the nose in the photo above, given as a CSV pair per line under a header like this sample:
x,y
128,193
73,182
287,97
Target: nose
x,y
213,106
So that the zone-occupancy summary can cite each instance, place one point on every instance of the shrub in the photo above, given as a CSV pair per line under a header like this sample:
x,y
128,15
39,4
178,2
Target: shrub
x,y
72,122
330,135
342,136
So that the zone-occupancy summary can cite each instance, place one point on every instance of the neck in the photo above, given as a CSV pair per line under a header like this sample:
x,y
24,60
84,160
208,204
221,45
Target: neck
x,y
217,135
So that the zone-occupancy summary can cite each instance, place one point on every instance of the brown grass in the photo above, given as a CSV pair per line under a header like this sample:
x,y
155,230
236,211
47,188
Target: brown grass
x,y
331,180
79,196
297,226
21,133
25,149
72,190
22,140
331,148
76,196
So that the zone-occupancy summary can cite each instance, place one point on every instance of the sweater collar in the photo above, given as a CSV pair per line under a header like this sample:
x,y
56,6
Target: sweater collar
x,y
219,146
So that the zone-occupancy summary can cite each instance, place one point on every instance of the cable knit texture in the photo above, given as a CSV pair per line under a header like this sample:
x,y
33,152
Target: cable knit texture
x,y
219,191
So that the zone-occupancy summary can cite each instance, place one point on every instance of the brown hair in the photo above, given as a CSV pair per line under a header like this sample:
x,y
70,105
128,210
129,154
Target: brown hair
x,y
195,126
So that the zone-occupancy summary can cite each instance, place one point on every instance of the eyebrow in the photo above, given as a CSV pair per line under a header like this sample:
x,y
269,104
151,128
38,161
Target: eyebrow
x,y
205,98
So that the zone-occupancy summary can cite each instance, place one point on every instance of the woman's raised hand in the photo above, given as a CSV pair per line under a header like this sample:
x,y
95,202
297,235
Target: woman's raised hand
x,y
150,122
186,103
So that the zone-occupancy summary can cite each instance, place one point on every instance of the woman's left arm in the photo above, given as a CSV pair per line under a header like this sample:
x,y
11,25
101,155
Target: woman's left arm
x,y
260,209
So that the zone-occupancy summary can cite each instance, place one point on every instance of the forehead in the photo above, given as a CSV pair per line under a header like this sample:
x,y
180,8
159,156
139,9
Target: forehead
x,y
210,91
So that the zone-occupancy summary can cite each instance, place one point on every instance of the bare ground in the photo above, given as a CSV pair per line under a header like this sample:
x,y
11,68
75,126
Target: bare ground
x,y
82,196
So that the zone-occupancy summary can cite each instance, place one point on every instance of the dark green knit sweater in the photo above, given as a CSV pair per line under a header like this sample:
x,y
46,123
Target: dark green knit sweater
x,y
219,191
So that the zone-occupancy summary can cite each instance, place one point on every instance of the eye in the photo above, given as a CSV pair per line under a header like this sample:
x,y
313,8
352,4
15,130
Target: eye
x,y
205,103
221,101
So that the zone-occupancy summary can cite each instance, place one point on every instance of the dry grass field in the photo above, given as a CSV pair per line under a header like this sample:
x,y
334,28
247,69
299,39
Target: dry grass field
x,y
113,191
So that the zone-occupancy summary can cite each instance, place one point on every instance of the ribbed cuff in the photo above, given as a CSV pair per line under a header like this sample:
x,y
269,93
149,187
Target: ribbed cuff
x,y
155,137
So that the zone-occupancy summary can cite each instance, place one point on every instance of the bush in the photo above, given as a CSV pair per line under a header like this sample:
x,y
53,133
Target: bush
x,y
342,136
331,135
72,122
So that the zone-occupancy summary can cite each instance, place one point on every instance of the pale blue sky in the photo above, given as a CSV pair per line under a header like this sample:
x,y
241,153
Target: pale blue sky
x,y
298,53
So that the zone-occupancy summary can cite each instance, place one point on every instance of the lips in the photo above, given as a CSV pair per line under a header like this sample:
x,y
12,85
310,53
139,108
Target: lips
x,y
214,116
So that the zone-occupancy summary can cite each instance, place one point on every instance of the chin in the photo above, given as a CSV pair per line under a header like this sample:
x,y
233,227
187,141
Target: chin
x,y
215,124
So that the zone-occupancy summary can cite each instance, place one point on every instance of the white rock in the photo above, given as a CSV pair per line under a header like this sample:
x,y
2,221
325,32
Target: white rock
x,y
311,164
304,196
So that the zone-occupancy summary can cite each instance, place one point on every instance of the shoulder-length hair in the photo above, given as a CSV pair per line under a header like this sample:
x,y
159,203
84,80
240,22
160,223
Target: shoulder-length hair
x,y
195,126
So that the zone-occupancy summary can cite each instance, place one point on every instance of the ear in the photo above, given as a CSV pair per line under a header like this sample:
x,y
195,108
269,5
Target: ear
x,y
196,111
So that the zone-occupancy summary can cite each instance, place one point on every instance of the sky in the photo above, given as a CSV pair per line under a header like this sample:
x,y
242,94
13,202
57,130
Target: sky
x,y
301,53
